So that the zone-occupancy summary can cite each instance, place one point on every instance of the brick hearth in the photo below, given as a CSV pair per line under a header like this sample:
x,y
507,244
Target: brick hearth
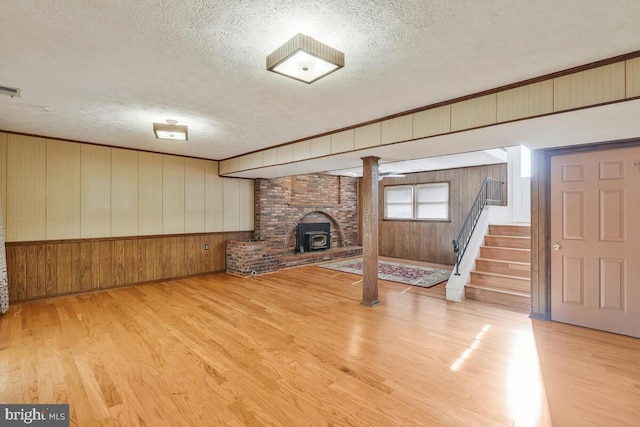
x,y
280,204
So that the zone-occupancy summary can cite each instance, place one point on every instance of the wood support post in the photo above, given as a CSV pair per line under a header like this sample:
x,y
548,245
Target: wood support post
x,y
370,231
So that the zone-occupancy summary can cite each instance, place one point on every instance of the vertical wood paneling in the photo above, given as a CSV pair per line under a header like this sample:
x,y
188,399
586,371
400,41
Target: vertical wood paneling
x,y
225,166
105,266
218,245
285,154
397,129
633,78
63,190
60,267
435,121
95,260
368,136
244,162
35,264
540,261
150,193
32,262
179,256
3,174
170,254
473,113
590,87
256,159
194,254
75,266
301,150
213,216
158,244
131,261
231,165
208,256
124,192
63,261
17,272
525,101
26,188
320,146
172,194
270,157
231,204
169,257
89,265
342,141
118,262
402,239
194,195
95,187
139,249
246,205
151,272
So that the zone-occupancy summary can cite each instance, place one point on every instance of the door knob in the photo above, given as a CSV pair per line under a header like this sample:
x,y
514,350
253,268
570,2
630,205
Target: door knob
x,y
556,247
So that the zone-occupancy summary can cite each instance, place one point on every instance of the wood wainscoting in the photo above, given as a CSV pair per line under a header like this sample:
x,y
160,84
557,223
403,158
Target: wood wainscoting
x,y
47,268
430,241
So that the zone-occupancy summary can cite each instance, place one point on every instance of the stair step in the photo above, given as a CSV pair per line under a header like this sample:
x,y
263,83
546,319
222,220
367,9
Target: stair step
x,y
503,268
509,254
515,242
521,230
501,281
512,268
517,300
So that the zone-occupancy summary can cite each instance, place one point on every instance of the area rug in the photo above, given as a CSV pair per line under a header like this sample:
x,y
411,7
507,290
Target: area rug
x,y
415,275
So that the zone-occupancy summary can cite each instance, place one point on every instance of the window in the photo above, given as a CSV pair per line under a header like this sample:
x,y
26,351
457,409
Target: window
x,y
398,202
421,201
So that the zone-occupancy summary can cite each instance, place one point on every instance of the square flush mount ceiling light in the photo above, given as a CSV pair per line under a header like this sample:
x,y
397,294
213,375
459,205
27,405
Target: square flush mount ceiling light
x,y
171,130
305,59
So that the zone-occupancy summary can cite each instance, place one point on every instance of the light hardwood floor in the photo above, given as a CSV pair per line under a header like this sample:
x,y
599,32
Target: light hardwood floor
x,y
296,348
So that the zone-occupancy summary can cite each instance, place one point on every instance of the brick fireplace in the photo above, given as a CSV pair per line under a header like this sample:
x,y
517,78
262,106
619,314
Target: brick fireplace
x,y
283,203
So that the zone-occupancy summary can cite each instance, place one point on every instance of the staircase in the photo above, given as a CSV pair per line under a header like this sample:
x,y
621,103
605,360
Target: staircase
x,y
503,268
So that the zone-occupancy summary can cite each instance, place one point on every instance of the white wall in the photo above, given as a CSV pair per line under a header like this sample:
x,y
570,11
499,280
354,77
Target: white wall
x,y
519,188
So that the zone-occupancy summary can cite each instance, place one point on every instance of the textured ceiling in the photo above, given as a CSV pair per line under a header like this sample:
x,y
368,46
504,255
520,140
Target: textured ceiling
x,y
107,70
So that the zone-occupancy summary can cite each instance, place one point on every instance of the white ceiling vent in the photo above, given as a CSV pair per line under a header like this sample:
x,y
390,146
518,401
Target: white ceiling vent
x,y
10,91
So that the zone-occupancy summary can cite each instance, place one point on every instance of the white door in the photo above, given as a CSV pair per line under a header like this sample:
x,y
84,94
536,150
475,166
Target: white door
x,y
595,233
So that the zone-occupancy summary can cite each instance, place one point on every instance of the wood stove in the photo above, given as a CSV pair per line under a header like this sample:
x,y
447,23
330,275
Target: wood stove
x,y
313,236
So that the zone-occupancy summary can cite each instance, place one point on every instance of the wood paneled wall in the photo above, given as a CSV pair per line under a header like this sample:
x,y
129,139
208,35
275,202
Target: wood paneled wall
x,y
43,269
588,86
431,241
540,232
81,217
55,190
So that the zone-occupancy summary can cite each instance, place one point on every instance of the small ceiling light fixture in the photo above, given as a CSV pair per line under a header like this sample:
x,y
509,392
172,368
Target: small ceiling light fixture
x,y
171,130
305,59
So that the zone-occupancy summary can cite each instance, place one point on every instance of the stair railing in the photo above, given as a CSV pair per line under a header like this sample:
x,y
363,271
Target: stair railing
x,y
490,193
